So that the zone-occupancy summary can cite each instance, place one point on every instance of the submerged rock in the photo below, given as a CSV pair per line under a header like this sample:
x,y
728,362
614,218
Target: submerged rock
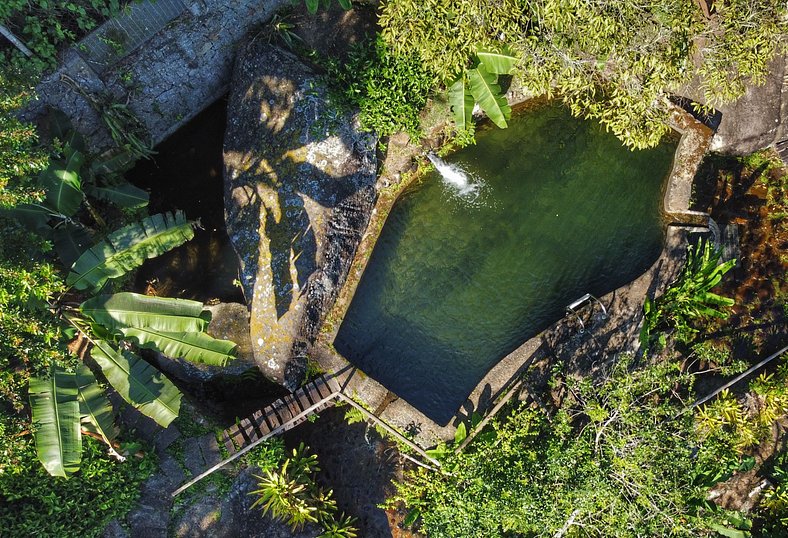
x,y
299,189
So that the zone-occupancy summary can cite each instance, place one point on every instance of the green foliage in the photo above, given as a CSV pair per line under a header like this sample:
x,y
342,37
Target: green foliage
x,y
95,409
173,326
688,298
484,88
615,460
127,248
20,155
139,383
266,455
46,26
616,62
743,424
772,513
33,503
389,90
291,494
55,410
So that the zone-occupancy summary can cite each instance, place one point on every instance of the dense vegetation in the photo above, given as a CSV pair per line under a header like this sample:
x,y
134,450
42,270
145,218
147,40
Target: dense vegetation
x,y
616,62
618,455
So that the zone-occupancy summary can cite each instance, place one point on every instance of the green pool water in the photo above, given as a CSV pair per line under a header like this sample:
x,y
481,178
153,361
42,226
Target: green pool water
x,y
556,208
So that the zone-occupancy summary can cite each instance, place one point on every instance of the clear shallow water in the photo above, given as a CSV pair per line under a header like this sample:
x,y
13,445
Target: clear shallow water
x,y
459,280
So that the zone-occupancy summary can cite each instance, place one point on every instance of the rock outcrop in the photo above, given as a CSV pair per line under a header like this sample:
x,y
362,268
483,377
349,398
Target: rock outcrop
x,y
299,188
756,120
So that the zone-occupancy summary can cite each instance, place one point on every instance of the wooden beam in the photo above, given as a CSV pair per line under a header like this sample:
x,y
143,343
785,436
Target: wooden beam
x,y
15,41
389,429
735,380
249,447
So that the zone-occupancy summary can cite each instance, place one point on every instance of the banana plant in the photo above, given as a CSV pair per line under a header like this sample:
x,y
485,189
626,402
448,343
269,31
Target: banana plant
x,y
66,404
174,327
479,84
127,248
69,184
689,297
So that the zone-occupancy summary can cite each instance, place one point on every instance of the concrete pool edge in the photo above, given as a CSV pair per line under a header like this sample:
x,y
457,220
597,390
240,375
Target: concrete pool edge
x,y
625,301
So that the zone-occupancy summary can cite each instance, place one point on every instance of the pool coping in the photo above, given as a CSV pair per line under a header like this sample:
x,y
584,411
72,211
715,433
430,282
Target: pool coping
x,y
695,139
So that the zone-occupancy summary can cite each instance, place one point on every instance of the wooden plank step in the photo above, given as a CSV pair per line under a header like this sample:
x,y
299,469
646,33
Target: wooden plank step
x,y
228,443
333,384
321,388
249,429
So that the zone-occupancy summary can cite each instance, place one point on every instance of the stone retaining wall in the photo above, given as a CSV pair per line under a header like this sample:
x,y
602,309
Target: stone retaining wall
x,y
616,333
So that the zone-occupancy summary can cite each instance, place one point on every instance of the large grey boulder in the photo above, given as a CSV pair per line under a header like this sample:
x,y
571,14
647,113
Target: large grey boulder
x,y
299,188
756,120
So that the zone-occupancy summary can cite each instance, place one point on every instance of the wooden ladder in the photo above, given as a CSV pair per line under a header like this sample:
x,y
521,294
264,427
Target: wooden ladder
x,y
276,418
282,415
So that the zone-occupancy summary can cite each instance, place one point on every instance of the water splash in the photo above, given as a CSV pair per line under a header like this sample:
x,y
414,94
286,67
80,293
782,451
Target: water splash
x,y
463,184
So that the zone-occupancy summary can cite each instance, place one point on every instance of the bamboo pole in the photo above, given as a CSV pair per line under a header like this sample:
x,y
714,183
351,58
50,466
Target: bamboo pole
x,y
389,429
15,41
735,380
250,446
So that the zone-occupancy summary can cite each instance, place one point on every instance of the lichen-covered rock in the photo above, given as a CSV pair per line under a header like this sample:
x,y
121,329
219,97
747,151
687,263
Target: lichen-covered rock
x,y
299,187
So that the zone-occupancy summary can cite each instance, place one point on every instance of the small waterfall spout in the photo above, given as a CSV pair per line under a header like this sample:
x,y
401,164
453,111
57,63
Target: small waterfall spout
x,y
455,177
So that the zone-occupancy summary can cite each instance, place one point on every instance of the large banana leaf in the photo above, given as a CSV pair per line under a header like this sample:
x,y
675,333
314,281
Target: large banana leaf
x,y
122,310
127,248
94,407
499,63
487,93
192,346
55,410
461,102
138,383
124,195
62,183
70,242
32,216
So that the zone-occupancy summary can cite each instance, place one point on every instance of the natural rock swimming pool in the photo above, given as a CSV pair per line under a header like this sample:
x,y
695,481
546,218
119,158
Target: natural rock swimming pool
x,y
472,264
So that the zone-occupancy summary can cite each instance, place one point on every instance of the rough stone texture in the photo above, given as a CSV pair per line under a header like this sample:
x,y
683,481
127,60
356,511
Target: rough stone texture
x,y
230,517
756,120
299,182
694,142
168,80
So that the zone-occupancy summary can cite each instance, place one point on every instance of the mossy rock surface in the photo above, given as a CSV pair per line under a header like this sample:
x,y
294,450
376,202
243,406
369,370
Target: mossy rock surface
x,y
299,186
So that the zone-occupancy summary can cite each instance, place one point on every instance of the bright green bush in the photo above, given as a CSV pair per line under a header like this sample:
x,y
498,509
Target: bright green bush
x,y
389,90
46,25
616,62
616,460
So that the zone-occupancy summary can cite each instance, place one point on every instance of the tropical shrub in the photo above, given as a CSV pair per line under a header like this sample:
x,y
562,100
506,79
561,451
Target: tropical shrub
x,y
745,423
33,503
291,494
616,62
389,91
688,298
69,400
617,459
